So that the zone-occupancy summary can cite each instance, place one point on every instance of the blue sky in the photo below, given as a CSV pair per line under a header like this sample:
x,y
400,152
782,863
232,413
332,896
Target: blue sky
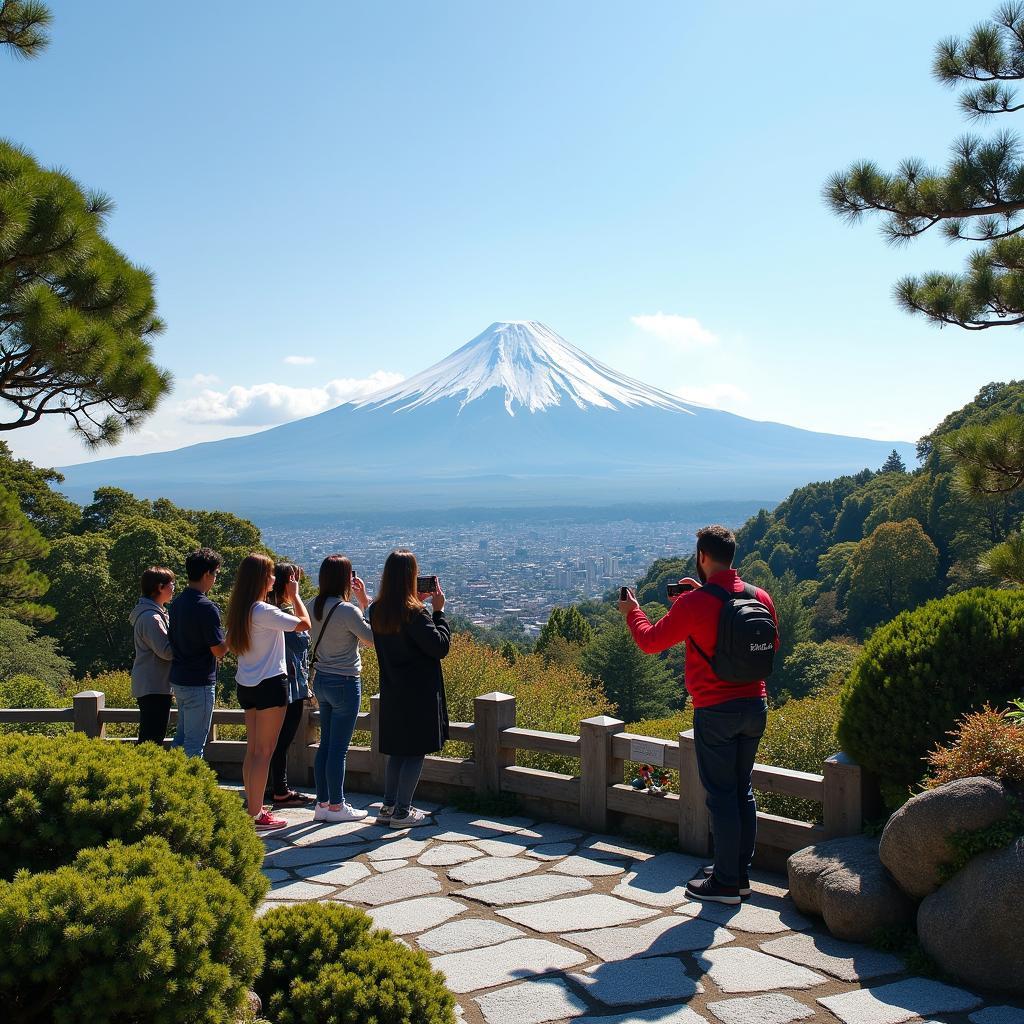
x,y
333,195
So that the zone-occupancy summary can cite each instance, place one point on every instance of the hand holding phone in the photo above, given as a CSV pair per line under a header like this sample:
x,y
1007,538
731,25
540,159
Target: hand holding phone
x,y
426,584
682,587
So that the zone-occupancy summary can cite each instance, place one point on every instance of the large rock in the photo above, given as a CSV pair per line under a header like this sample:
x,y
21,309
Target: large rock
x,y
973,926
915,843
843,881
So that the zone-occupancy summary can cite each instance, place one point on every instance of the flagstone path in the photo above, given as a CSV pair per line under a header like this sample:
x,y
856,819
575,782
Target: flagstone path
x,y
535,922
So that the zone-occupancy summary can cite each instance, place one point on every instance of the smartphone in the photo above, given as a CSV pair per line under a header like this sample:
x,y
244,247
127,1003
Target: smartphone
x,y
426,584
675,589
623,593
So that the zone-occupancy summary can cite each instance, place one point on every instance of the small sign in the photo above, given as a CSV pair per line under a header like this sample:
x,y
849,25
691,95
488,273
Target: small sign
x,y
646,752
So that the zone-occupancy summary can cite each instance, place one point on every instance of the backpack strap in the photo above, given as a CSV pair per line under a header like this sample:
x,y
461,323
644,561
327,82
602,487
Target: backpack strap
x,y
725,597
323,629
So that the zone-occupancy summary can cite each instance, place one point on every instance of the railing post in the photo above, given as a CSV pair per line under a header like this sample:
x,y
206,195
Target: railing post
x,y
492,713
694,820
598,769
842,804
377,759
87,707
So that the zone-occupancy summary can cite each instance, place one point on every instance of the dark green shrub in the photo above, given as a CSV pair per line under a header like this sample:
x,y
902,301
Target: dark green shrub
x,y
125,933
63,794
325,966
23,691
925,669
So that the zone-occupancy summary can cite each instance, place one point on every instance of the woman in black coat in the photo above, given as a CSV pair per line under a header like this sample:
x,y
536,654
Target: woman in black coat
x,y
410,643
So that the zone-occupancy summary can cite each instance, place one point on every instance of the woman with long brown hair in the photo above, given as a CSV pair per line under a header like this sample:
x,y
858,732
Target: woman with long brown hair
x,y
410,644
256,634
338,629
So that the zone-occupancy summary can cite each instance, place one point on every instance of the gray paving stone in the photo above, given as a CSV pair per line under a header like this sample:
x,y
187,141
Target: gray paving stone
x,y
269,845
998,1015
532,1002
771,1009
417,915
400,849
299,856
531,889
463,827
844,960
628,982
471,933
513,824
595,910
342,833
448,854
899,1001
389,865
587,867
276,874
551,851
548,832
749,917
298,891
671,934
342,874
619,847
735,969
403,884
660,881
491,869
656,1015
495,965
506,846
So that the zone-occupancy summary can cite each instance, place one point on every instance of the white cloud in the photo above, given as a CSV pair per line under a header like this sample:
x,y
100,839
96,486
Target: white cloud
x,y
204,380
715,395
266,404
299,360
685,333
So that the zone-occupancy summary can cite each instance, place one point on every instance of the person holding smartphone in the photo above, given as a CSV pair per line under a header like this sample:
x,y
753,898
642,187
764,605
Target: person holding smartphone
x,y
256,631
339,627
411,643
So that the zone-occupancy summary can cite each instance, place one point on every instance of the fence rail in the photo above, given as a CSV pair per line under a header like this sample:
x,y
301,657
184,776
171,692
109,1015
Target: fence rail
x,y
597,797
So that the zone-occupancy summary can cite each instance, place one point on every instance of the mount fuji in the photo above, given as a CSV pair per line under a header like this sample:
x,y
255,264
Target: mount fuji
x,y
516,417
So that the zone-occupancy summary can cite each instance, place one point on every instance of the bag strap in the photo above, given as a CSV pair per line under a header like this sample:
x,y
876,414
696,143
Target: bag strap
x,y
323,629
725,597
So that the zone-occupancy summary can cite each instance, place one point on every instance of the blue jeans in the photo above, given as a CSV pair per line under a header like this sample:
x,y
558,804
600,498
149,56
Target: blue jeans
x,y
726,737
338,697
195,713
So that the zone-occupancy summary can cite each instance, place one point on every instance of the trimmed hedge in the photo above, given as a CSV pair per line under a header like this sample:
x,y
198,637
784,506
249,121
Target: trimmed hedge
x,y
919,673
324,965
125,933
59,795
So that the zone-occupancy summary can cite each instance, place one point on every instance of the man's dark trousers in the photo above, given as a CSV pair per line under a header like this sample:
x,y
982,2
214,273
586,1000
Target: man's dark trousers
x,y
726,737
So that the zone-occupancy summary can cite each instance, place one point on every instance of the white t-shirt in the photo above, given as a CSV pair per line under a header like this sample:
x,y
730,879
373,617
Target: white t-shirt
x,y
265,657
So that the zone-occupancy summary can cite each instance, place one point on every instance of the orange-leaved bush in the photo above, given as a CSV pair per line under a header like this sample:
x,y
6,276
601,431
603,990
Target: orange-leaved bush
x,y
984,742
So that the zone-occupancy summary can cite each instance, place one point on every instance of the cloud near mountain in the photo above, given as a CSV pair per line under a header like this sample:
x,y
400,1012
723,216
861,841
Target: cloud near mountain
x,y
267,404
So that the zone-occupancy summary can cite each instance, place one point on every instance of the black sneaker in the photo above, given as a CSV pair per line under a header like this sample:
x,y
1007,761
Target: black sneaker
x,y
709,871
711,890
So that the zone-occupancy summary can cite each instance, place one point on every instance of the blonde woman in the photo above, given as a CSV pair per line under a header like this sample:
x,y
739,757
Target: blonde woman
x,y
256,632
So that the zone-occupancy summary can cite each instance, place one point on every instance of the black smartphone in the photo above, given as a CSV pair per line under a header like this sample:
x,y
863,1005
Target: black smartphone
x,y
623,593
675,589
426,584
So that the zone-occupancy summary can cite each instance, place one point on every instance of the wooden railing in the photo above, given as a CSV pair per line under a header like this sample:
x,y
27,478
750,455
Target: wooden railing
x,y
596,797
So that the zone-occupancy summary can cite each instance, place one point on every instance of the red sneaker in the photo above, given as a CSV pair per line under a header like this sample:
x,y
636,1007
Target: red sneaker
x,y
264,821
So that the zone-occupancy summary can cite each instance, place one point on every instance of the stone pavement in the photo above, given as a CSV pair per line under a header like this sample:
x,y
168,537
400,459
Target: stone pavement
x,y
535,922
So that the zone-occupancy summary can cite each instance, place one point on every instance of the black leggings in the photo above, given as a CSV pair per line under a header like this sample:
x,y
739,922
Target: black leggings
x,y
279,762
154,713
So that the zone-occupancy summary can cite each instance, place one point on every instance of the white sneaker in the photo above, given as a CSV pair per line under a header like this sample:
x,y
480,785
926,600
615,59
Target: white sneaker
x,y
414,816
344,813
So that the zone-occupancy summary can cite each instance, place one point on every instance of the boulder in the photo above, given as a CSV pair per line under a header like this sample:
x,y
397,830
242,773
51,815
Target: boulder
x,y
915,843
843,881
973,926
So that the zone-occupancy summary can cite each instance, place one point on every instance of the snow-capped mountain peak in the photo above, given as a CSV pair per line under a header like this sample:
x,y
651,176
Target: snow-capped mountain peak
x,y
535,367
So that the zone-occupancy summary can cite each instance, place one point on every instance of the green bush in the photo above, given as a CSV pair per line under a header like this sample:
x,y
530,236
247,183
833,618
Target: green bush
x,y
59,795
925,669
125,933
325,966
23,691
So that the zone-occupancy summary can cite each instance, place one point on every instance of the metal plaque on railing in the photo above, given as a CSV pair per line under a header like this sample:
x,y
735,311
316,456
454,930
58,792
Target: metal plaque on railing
x,y
646,752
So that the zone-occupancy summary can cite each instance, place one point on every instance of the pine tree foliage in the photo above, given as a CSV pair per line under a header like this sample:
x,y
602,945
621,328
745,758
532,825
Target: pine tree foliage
x,y
894,463
977,197
20,544
76,317
23,27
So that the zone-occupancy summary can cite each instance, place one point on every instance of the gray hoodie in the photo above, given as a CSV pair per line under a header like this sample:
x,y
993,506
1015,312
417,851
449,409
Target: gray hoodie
x,y
151,669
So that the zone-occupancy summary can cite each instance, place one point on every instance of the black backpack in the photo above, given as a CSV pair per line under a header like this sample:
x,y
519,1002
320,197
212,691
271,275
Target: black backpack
x,y
745,649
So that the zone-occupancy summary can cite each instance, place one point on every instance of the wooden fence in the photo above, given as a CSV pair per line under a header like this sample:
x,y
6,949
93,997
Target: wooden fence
x,y
596,797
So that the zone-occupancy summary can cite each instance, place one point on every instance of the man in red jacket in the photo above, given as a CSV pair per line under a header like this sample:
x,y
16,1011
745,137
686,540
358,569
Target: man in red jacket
x,y
728,718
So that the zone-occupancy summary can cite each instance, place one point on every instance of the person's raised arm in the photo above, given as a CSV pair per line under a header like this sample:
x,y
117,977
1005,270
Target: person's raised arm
x,y
432,634
301,612
655,637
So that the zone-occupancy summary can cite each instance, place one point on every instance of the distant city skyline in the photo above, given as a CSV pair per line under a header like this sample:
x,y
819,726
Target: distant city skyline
x,y
332,217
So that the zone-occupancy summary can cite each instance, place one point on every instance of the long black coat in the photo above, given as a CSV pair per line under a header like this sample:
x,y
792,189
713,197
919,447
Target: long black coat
x,y
413,711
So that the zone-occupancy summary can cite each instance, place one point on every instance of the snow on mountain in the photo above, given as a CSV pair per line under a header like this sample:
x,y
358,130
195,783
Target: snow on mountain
x,y
535,367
